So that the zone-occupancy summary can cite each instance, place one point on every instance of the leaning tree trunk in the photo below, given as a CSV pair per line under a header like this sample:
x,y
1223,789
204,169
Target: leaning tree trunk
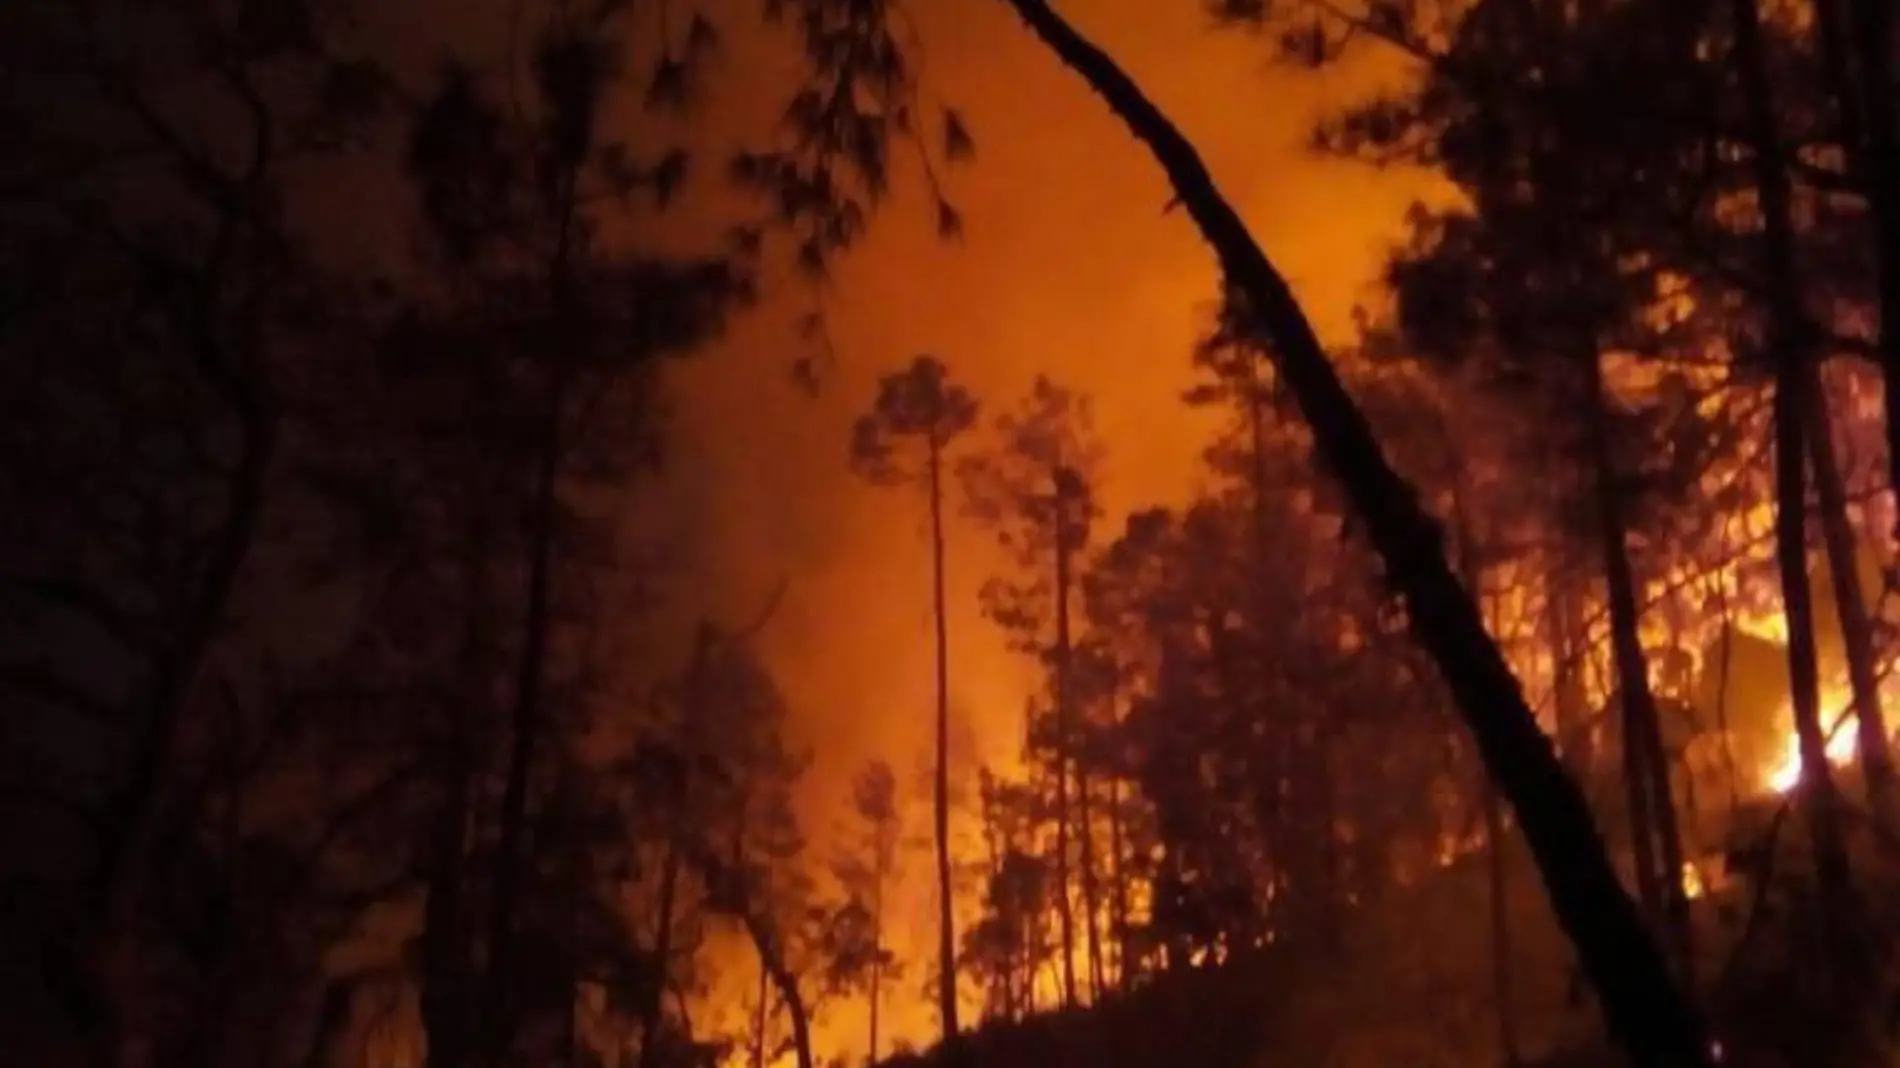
x,y
772,966
1643,1006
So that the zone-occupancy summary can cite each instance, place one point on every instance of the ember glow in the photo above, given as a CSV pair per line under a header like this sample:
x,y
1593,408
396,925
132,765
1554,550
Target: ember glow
x,y
1692,885
1842,746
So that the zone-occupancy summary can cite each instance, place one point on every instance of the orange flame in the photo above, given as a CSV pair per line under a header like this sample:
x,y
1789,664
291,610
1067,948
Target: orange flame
x,y
1843,745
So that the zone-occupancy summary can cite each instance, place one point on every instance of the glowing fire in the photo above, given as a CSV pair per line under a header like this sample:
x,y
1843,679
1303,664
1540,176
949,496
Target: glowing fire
x,y
1692,886
1842,745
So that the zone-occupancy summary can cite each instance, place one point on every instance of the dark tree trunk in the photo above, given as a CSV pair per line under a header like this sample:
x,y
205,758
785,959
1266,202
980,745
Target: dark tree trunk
x,y
1509,1046
525,725
1065,908
528,713
1091,890
1724,675
444,988
679,790
134,809
1863,85
328,1031
1873,33
1277,816
650,1013
946,922
445,935
237,373
772,966
1118,881
1567,699
133,812
1861,72
1643,1006
1843,560
1655,834
446,950
1821,798
877,958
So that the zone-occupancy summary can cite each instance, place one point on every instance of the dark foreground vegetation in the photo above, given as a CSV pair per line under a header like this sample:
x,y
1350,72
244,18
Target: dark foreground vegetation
x,y
1483,706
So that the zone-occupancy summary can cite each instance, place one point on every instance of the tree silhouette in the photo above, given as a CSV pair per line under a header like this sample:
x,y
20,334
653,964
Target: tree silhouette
x,y
1645,1009
866,874
1539,303
349,718
1794,383
902,441
1034,488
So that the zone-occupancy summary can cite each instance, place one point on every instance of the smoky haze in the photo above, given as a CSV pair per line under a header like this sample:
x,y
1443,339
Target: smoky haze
x,y
1068,266
1071,264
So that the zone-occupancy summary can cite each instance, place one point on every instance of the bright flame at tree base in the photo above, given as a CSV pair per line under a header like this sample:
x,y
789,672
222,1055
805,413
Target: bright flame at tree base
x,y
1842,747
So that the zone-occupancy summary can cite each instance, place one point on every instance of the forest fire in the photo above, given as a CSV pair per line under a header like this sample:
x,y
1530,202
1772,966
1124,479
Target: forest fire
x,y
1842,748
385,680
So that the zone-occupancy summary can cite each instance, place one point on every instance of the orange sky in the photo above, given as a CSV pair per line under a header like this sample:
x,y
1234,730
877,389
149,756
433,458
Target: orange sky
x,y
1069,267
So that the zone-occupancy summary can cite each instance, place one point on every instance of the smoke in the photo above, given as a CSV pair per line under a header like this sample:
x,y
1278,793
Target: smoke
x,y
1068,267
